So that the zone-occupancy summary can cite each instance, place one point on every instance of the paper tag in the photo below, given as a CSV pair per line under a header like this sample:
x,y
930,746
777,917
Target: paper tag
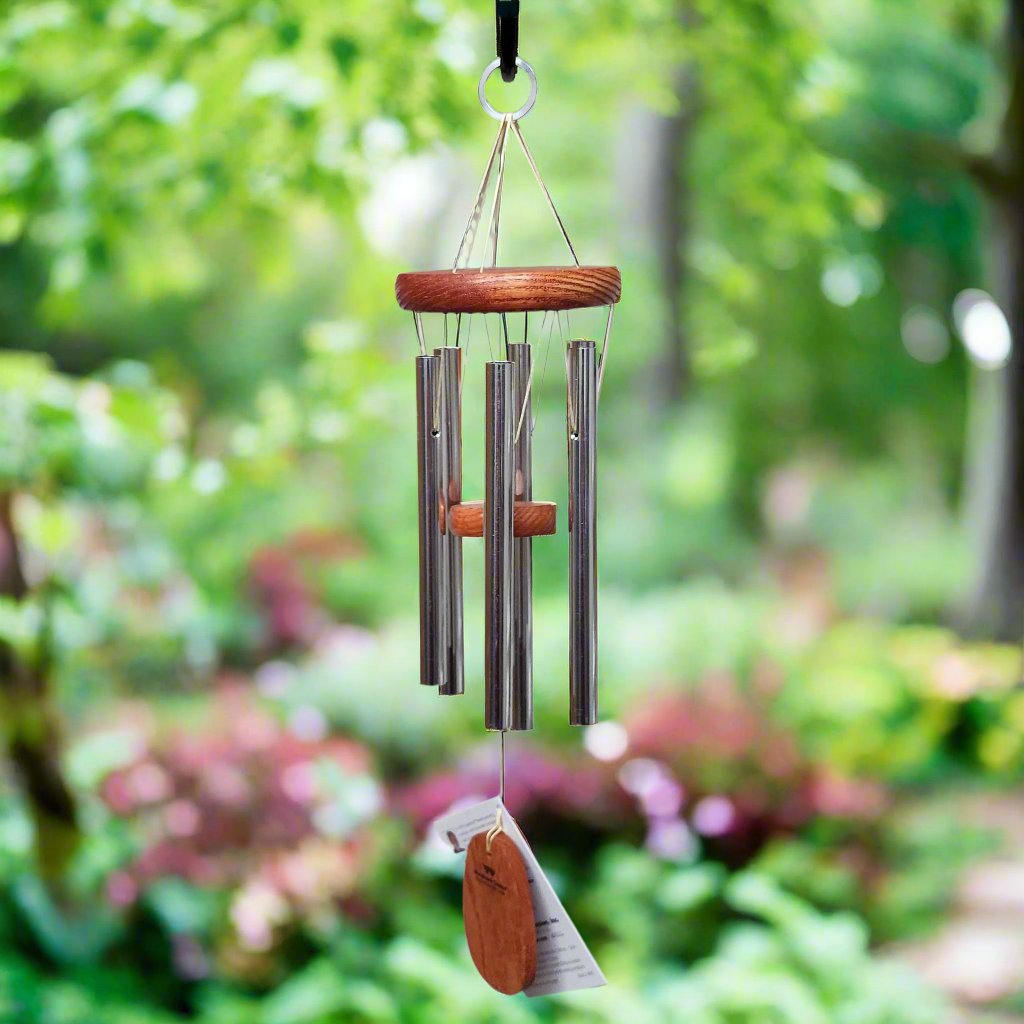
x,y
564,963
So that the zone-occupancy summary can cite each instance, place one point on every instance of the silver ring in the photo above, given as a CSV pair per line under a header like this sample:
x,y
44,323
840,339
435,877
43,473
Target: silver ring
x,y
525,108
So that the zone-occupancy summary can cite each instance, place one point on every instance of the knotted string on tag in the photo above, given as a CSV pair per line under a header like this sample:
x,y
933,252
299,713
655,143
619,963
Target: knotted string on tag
x,y
496,829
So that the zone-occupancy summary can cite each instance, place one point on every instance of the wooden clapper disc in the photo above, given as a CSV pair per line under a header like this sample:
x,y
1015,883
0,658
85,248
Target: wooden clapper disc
x,y
529,519
498,914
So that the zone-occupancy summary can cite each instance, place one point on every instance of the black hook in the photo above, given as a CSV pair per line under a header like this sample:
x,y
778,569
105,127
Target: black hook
x,y
506,18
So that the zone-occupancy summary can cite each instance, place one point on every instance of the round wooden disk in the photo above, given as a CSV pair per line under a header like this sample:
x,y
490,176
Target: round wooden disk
x,y
498,914
529,518
508,289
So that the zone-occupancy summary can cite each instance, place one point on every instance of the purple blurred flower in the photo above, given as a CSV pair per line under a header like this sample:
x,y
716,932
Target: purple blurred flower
x,y
714,816
671,839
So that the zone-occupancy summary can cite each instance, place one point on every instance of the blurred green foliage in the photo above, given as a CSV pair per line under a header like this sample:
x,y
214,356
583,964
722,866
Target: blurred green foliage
x,y
207,562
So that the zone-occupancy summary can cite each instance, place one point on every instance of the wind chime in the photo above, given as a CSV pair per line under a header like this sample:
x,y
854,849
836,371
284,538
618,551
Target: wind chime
x,y
508,517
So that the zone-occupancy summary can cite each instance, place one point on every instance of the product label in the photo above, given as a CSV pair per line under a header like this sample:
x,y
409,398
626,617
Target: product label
x,y
564,963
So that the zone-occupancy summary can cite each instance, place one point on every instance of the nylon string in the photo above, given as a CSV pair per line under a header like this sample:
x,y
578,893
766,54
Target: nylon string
x,y
543,187
478,206
604,350
496,204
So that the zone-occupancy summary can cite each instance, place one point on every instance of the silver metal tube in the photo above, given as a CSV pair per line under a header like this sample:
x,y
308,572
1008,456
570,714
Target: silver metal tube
x,y
453,682
428,461
498,536
522,547
582,439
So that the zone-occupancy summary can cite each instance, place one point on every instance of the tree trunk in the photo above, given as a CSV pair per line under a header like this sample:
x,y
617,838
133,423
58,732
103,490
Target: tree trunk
x,y
30,725
997,604
672,224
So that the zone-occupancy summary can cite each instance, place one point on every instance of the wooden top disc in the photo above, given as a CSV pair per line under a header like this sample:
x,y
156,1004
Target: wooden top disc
x,y
508,289
497,911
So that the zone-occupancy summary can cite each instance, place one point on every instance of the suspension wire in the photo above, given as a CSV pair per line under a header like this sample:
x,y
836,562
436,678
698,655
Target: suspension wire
x,y
469,235
417,319
571,409
440,389
604,349
547,195
547,349
496,203
464,361
490,346
522,409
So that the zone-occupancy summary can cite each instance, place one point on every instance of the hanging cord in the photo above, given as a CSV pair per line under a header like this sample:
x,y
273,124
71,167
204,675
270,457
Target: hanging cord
x,y
498,826
506,31
501,772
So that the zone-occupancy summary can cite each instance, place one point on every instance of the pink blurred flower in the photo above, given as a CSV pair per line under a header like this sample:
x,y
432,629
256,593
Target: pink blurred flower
x,y
299,782
216,810
181,818
745,775
281,582
122,889
840,797
148,783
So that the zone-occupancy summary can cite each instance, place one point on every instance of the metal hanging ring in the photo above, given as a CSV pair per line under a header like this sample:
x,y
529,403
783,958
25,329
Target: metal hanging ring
x,y
525,108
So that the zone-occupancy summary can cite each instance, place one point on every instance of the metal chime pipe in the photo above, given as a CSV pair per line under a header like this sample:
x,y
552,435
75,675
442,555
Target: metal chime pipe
x,y
498,537
582,441
522,571
453,682
429,464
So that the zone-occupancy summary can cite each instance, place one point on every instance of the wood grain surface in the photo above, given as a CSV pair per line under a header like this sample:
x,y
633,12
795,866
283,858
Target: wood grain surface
x,y
508,289
529,518
497,913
